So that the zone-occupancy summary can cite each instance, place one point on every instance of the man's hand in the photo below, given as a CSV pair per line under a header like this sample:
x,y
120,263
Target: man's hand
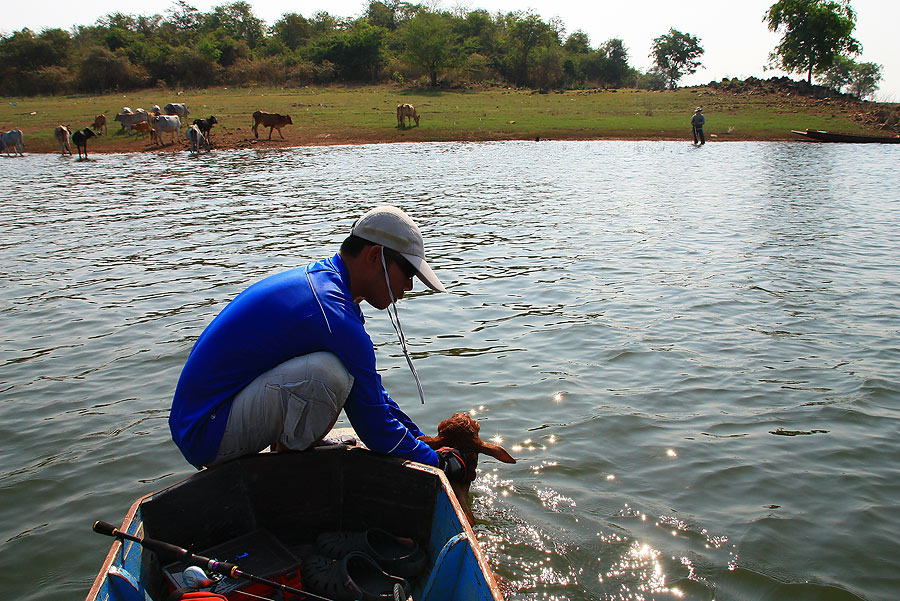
x,y
452,463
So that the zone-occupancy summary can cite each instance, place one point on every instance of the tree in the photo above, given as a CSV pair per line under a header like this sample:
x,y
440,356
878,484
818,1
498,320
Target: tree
x,y
578,43
292,29
479,32
864,79
357,52
860,79
239,21
101,70
814,34
616,67
429,43
675,55
525,33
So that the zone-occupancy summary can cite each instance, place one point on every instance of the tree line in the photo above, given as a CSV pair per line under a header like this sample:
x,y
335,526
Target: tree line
x,y
392,41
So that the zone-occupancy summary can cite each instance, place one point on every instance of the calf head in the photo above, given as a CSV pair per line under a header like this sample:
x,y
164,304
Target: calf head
x,y
460,431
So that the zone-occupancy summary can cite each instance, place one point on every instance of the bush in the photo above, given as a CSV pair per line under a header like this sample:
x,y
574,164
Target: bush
x,y
190,67
101,70
269,71
652,80
300,74
475,68
52,80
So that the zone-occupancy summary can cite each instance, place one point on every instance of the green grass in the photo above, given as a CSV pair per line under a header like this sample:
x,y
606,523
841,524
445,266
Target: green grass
x,y
367,114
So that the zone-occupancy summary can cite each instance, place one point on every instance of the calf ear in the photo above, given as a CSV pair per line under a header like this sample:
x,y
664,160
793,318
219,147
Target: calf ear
x,y
496,451
435,442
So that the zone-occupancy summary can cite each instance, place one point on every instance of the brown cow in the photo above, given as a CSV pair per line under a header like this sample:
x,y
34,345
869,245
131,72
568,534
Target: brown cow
x,y
270,120
142,127
460,432
408,112
99,124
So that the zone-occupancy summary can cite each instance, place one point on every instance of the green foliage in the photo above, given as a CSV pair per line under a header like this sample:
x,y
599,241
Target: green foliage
x,y
25,51
357,53
607,66
524,34
859,79
578,43
101,70
228,44
651,80
814,34
190,67
675,55
430,43
238,21
292,30
391,15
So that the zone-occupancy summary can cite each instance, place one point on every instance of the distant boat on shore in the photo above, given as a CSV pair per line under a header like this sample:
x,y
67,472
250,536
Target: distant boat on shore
x,y
829,136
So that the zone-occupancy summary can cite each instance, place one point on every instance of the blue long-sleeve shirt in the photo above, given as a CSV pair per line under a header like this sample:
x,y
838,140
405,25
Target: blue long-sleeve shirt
x,y
283,316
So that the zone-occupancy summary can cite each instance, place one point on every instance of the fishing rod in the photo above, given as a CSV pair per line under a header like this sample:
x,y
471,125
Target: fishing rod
x,y
220,567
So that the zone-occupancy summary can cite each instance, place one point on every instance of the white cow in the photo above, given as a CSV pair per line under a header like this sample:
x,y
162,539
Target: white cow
x,y
197,139
62,135
130,118
12,139
178,108
166,123
155,110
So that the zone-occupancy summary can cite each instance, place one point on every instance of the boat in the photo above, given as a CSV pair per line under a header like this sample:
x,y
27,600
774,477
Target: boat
x,y
263,513
829,136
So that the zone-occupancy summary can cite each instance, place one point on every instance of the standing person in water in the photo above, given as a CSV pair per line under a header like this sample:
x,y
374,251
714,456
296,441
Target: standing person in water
x,y
282,359
697,122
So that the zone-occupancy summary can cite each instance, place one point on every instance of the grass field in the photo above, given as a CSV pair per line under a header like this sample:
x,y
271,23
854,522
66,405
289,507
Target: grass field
x,y
366,114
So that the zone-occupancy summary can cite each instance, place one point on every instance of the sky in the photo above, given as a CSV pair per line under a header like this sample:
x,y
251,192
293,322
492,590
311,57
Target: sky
x,y
736,41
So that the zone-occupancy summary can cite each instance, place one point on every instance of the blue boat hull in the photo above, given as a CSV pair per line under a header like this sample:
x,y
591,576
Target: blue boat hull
x,y
296,496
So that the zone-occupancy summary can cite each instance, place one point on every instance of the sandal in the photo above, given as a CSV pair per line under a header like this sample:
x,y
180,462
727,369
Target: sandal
x,y
396,555
355,577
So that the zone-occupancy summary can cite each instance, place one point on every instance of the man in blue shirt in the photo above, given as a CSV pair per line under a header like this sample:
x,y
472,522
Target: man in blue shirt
x,y
282,359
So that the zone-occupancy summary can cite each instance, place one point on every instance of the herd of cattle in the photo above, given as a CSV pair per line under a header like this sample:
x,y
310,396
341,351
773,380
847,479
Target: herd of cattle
x,y
167,119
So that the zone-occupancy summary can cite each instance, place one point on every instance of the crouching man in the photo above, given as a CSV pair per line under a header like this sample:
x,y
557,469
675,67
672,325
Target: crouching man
x,y
282,359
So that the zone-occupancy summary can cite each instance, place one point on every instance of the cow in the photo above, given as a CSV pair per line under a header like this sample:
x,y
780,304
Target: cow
x,y
80,137
100,124
166,123
125,111
130,118
406,111
270,120
197,139
143,127
205,125
62,135
12,139
178,108
155,110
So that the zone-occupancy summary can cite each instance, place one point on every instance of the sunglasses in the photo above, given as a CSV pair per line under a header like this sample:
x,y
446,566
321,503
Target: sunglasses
x,y
405,266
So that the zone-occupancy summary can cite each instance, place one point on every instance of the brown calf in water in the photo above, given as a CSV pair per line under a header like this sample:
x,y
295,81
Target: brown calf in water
x,y
460,432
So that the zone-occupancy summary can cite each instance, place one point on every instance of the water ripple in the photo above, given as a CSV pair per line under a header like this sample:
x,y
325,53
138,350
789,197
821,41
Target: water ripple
x,y
693,355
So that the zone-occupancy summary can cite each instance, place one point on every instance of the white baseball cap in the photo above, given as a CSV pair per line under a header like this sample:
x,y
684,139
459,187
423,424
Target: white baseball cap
x,y
392,228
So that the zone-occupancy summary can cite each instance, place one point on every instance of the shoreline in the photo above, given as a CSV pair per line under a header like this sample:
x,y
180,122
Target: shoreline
x,y
328,116
224,140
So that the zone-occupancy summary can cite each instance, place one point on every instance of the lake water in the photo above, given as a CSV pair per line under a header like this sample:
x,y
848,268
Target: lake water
x,y
693,352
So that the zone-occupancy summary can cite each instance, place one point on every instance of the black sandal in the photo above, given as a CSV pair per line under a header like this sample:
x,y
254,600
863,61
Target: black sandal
x,y
396,555
355,577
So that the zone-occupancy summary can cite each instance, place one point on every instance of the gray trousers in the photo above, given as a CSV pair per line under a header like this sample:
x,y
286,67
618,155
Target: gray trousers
x,y
292,406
